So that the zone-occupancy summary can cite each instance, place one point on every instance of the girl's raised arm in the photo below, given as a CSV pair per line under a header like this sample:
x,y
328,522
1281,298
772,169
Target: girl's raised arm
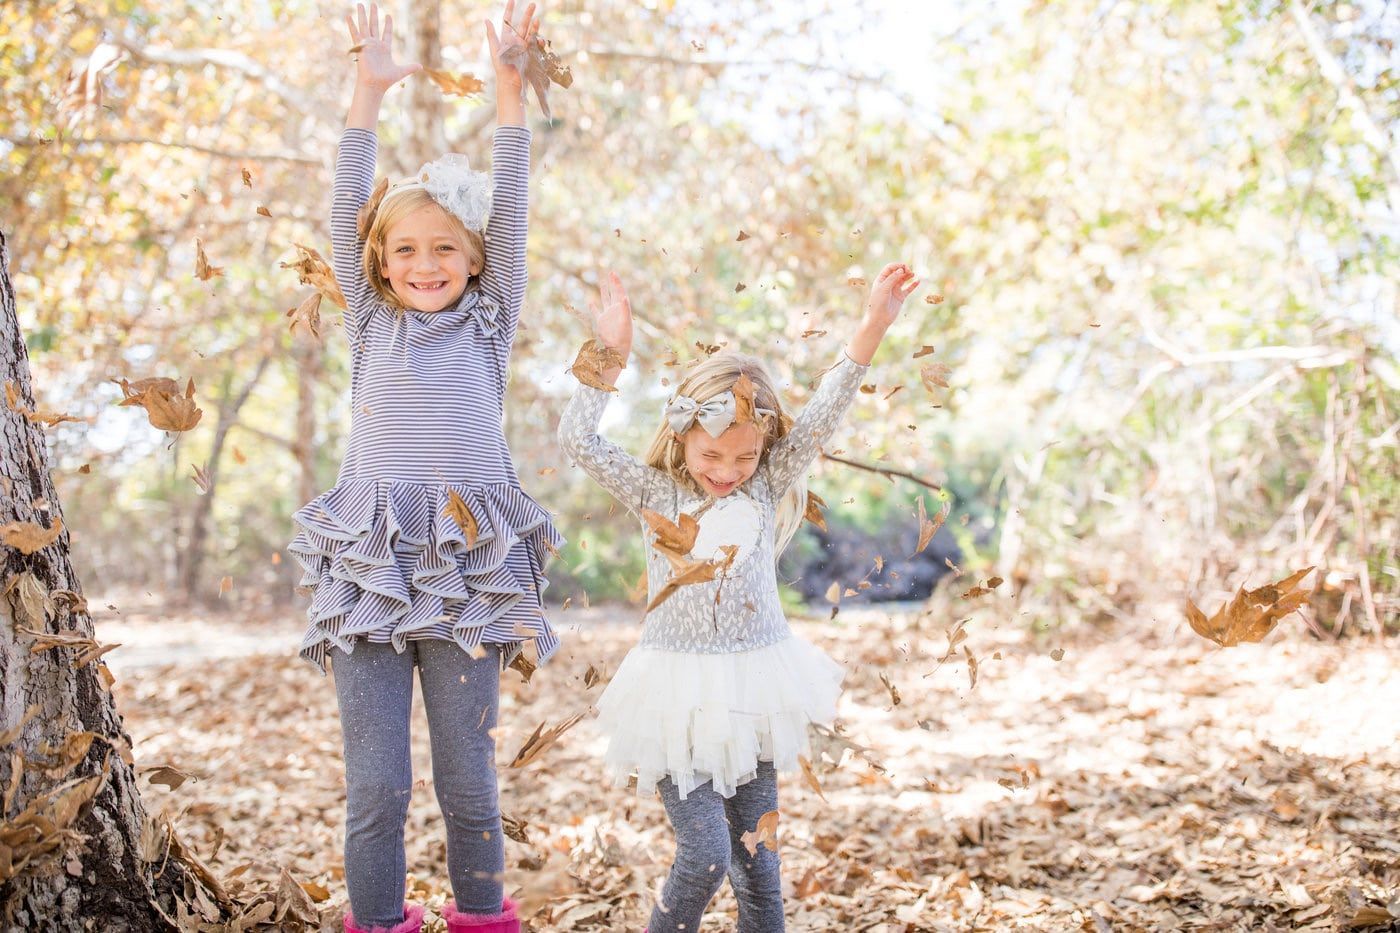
x,y
793,454
375,73
504,276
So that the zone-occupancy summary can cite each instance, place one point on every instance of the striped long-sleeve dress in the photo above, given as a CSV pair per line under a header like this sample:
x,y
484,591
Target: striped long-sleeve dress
x,y
381,555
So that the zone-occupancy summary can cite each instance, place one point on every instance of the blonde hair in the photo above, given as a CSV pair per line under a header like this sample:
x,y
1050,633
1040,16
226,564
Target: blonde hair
x,y
715,376
379,217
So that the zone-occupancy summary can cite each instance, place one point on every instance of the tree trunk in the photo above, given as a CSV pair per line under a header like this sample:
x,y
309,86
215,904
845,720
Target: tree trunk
x,y
74,838
423,138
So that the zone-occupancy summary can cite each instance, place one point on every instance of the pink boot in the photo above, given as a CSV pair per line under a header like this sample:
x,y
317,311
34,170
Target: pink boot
x,y
412,922
507,921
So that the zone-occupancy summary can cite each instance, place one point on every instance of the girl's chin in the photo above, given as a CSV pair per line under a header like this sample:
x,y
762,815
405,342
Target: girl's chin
x,y
428,304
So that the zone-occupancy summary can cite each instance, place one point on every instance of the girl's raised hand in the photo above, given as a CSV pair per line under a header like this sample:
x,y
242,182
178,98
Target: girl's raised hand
x,y
509,47
612,322
377,68
895,283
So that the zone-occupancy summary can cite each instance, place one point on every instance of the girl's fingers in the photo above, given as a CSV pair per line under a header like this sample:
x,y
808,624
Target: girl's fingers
x,y
492,43
528,21
354,35
388,29
374,21
505,17
887,272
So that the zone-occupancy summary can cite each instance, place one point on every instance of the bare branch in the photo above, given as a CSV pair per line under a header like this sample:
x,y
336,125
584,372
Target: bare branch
x,y
233,61
883,471
33,142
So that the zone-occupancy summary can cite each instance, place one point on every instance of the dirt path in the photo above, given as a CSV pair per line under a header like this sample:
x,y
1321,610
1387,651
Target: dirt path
x,y
1129,783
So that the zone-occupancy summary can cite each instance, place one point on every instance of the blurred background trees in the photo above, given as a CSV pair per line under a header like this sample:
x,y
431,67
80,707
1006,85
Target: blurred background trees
x,y
1165,236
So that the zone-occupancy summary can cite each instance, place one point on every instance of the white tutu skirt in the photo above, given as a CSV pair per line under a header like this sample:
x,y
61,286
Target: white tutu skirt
x,y
712,717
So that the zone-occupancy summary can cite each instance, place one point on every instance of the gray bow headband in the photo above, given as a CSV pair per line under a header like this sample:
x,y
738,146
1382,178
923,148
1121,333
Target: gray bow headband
x,y
715,416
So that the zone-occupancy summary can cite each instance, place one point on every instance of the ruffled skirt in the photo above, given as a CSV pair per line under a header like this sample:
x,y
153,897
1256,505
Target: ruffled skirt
x,y
384,561
713,717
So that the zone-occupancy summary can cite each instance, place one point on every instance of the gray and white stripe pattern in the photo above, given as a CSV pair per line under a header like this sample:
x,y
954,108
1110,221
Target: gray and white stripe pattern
x,y
382,557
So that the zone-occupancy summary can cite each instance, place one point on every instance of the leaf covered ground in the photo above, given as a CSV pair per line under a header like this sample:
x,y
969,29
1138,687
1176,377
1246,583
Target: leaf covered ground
x,y
1094,781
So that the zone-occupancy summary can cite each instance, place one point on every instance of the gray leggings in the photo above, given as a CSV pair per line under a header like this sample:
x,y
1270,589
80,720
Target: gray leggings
x,y
709,831
374,685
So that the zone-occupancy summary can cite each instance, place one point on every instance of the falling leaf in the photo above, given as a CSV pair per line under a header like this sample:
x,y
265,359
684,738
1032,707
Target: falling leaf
x,y
1057,654
743,399
592,361
1252,614
673,539
971,667
869,388
813,333
928,528
934,374
591,677
457,85
201,478
810,777
893,690
813,512
312,270
307,314
856,281
765,833
458,510
85,469
707,348
247,178
686,573
264,212
741,237
925,350
225,586
166,408
170,776
933,299
239,457
739,288
202,268
982,589
540,740
28,537
833,593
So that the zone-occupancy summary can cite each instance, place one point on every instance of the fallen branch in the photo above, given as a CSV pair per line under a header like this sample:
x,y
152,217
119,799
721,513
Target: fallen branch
x,y
884,471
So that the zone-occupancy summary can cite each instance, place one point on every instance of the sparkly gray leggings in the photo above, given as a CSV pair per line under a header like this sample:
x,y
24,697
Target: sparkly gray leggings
x,y
374,685
709,831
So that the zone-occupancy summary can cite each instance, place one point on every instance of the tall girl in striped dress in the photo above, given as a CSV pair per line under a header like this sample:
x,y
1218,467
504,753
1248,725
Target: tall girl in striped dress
x,y
426,553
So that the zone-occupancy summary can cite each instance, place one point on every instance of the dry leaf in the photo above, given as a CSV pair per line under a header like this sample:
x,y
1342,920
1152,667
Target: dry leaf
x,y
983,589
166,408
765,833
857,281
1057,654
743,399
312,270
28,537
971,667
813,513
201,478
928,528
686,573
833,593
457,85
739,287
925,350
1252,614
741,237
264,212
458,510
202,268
171,777
592,361
247,178
673,539
239,457
307,314
540,740
810,777
893,690
933,299
225,586
934,374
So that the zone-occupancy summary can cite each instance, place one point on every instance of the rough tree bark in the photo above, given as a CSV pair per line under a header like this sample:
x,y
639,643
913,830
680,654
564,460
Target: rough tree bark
x,y
74,837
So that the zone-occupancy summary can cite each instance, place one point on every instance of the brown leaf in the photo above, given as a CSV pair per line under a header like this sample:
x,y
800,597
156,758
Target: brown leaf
x,y
765,833
739,287
982,589
201,478
893,690
264,212
741,237
166,408
933,299
247,178
925,350
934,374
592,361
856,281
28,537
540,740
1057,654
225,586
686,573
673,539
202,268
168,775
307,314
813,513
971,667
810,777
1252,614
239,457
458,510
928,528
743,399
457,85
833,593
312,270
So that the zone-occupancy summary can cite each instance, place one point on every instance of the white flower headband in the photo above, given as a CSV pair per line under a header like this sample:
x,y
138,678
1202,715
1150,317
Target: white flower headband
x,y
451,182
715,416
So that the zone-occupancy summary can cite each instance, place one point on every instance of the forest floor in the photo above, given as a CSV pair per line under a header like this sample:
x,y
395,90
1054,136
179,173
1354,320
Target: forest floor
x,y
1125,780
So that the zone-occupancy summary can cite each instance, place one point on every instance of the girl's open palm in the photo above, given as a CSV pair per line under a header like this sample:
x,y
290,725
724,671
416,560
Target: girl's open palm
x,y
613,320
377,67
895,283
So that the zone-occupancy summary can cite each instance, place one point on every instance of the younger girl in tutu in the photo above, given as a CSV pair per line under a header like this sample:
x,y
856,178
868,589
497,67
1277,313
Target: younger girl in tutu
x,y
717,696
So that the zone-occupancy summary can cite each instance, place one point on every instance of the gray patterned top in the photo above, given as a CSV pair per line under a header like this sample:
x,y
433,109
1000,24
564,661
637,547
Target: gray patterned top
x,y
740,610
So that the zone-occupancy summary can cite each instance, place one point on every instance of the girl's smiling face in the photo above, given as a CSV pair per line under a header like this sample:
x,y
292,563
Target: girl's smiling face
x,y
425,260
722,464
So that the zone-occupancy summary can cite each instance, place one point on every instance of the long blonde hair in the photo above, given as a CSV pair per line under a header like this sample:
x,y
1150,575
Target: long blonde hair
x,y
379,217
715,376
